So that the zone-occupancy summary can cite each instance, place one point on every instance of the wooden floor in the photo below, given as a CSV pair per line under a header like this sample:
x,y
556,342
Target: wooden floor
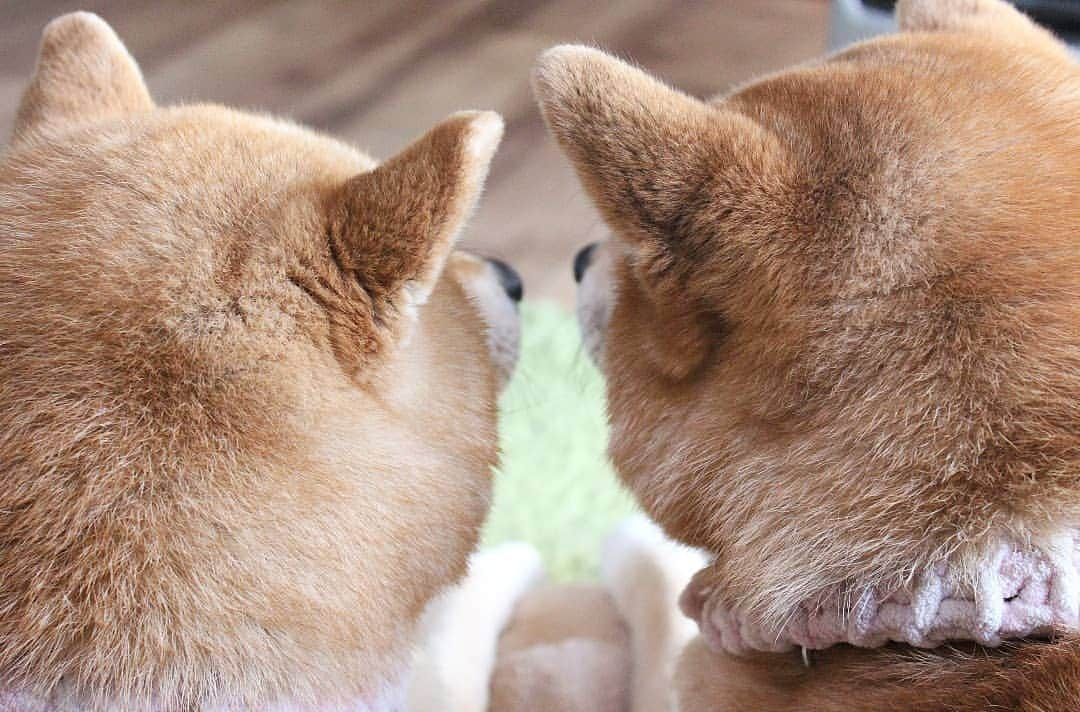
x,y
378,73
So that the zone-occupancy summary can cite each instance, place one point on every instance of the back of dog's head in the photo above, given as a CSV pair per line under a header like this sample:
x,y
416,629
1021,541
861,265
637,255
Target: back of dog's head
x,y
840,318
247,394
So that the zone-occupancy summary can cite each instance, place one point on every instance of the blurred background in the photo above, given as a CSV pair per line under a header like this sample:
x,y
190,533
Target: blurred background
x,y
378,74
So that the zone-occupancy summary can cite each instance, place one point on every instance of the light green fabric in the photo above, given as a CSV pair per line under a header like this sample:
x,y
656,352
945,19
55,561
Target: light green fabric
x,y
555,488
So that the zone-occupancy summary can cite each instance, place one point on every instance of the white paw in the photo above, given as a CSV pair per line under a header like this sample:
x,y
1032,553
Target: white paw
x,y
645,573
637,554
461,628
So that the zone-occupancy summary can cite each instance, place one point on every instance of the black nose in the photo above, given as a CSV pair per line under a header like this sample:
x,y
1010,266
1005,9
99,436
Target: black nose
x,y
582,260
509,279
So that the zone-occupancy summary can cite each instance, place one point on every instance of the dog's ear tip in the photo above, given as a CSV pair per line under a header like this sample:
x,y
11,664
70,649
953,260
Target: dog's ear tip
x,y
79,18
81,31
556,65
84,73
563,54
996,18
78,21
485,133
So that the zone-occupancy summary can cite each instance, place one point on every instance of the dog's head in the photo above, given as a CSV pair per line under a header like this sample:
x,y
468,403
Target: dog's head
x,y
247,390
839,316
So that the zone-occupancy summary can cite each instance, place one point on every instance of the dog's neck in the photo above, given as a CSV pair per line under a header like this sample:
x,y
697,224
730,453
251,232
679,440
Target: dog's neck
x,y
1012,591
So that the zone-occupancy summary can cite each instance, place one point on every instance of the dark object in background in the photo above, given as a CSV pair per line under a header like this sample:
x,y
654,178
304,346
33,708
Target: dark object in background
x,y
853,20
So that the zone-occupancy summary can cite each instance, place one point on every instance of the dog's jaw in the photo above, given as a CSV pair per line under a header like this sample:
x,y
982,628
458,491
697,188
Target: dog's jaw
x,y
1015,591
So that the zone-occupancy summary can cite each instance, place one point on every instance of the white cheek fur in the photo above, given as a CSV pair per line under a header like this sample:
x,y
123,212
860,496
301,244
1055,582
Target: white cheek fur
x,y
595,298
502,319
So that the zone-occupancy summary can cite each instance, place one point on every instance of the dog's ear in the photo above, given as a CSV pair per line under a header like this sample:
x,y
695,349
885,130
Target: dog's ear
x,y
989,17
656,162
643,150
393,228
84,73
670,174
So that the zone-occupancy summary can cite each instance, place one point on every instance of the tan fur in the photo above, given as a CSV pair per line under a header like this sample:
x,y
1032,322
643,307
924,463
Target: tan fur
x,y
566,648
844,342
1030,677
589,648
460,632
234,467
646,572
84,74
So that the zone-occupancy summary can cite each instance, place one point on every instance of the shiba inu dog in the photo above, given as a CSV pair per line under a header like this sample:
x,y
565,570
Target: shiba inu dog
x,y
247,395
839,320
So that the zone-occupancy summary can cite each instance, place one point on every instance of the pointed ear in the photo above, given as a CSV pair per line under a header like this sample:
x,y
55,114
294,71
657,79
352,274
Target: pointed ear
x,y
393,228
631,139
647,154
84,73
994,17
665,170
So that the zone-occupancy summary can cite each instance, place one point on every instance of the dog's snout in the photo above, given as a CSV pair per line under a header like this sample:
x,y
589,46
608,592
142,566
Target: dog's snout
x,y
582,260
509,279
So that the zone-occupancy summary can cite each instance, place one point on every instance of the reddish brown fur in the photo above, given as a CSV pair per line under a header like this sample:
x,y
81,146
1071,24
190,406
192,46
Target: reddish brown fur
x,y
846,338
234,468
1029,678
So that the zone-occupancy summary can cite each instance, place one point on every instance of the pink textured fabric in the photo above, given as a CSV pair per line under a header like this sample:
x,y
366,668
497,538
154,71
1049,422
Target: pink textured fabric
x,y
20,702
1013,593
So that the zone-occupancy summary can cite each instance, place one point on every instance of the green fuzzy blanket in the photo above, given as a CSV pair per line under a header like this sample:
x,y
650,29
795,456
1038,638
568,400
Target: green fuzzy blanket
x,y
555,488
